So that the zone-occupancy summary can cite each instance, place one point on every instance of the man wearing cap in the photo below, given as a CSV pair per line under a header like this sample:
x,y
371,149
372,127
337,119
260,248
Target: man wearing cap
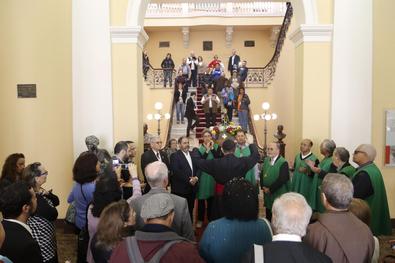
x,y
157,178
369,186
156,241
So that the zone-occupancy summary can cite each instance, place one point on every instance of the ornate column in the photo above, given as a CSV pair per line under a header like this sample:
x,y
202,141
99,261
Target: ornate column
x,y
229,36
185,36
313,81
127,82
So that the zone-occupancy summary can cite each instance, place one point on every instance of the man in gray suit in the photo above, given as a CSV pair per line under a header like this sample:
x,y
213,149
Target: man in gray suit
x,y
157,177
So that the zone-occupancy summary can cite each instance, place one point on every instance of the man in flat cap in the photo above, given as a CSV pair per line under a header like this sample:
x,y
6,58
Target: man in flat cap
x,y
369,186
156,242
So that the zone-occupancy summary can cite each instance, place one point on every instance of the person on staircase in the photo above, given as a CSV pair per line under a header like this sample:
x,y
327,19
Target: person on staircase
x,y
202,69
243,102
185,71
190,113
210,103
193,65
180,96
168,67
228,98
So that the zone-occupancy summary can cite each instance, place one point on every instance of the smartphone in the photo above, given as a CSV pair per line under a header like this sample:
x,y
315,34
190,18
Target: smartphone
x,y
115,162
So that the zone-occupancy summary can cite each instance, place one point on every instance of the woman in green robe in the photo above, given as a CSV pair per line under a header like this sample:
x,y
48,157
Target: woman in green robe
x,y
206,186
341,159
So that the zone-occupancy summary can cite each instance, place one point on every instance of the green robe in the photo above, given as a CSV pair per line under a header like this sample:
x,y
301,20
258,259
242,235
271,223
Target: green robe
x,y
315,194
268,176
381,222
250,175
206,182
347,171
301,181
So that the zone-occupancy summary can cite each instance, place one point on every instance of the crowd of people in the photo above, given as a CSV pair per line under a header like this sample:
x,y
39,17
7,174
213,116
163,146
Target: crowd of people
x,y
211,80
120,217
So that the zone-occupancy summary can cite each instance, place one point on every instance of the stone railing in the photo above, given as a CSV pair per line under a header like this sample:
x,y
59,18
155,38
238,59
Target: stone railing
x,y
230,9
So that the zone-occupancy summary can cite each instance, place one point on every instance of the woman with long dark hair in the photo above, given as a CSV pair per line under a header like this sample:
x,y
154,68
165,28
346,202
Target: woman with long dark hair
x,y
13,167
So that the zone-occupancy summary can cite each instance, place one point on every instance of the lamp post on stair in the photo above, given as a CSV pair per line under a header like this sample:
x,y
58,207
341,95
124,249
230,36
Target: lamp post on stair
x,y
158,116
265,116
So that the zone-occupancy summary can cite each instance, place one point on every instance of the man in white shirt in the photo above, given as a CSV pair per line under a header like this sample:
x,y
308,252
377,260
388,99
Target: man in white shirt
x,y
210,103
184,180
193,63
291,215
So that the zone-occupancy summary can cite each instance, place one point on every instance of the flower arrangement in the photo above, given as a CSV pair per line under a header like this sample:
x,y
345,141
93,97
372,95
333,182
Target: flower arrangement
x,y
224,131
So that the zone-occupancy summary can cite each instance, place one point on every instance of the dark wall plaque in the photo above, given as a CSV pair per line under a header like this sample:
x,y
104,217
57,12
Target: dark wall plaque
x,y
164,44
207,45
249,43
27,90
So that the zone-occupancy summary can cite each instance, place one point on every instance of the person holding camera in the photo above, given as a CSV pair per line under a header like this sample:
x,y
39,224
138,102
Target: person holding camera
x,y
120,161
193,64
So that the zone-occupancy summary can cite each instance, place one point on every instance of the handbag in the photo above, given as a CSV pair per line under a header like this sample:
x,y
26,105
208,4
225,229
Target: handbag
x,y
70,214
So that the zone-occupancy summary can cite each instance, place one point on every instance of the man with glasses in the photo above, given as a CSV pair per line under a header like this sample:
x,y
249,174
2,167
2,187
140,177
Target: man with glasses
x,y
153,155
274,177
369,186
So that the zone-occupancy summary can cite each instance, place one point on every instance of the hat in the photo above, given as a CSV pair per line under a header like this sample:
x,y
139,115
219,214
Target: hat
x,y
157,205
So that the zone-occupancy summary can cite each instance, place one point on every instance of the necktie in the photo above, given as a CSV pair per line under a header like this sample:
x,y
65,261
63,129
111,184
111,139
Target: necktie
x,y
158,156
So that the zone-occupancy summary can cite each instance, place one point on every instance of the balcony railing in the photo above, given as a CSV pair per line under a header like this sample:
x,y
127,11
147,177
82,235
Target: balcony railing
x,y
231,9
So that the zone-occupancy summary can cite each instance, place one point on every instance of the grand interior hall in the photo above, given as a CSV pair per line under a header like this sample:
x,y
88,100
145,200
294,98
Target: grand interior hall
x,y
317,69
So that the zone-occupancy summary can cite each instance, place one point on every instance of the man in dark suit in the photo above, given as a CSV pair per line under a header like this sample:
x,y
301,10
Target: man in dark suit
x,y
17,202
225,169
291,215
157,177
190,113
153,155
184,179
234,61
228,167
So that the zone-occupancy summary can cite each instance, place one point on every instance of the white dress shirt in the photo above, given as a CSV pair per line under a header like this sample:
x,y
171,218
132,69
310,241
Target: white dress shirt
x,y
189,159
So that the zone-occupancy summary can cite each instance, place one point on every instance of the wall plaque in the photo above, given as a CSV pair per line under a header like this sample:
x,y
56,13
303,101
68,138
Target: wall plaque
x,y
249,43
207,45
164,44
27,90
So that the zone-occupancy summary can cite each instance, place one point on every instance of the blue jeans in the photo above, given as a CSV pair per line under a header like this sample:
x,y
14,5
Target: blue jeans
x,y
180,111
243,119
167,77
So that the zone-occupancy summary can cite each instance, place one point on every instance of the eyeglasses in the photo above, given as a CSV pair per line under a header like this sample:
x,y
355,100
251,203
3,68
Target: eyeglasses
x,y
356,152
270,149
44,173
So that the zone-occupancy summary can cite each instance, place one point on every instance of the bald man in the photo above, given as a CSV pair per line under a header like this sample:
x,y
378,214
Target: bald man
x,y
302,178
369,186
274,177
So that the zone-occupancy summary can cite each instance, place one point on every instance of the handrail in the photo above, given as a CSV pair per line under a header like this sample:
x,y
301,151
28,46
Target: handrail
x,y
170,123
270,69
156,76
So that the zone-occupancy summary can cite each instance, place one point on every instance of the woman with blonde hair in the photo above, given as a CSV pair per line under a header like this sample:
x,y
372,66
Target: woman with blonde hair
x,y
116,222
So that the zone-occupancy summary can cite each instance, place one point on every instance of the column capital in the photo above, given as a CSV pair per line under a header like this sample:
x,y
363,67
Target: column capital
x,y
312,33
128,34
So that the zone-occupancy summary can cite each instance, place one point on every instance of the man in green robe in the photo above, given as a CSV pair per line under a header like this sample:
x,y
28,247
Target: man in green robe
x,y
302,174
341,157
325,166
369,186
242,150
274,178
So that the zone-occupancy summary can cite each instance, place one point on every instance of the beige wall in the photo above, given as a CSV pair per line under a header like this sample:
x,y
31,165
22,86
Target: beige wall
x,y
280,95
257,56
36,48
383,86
